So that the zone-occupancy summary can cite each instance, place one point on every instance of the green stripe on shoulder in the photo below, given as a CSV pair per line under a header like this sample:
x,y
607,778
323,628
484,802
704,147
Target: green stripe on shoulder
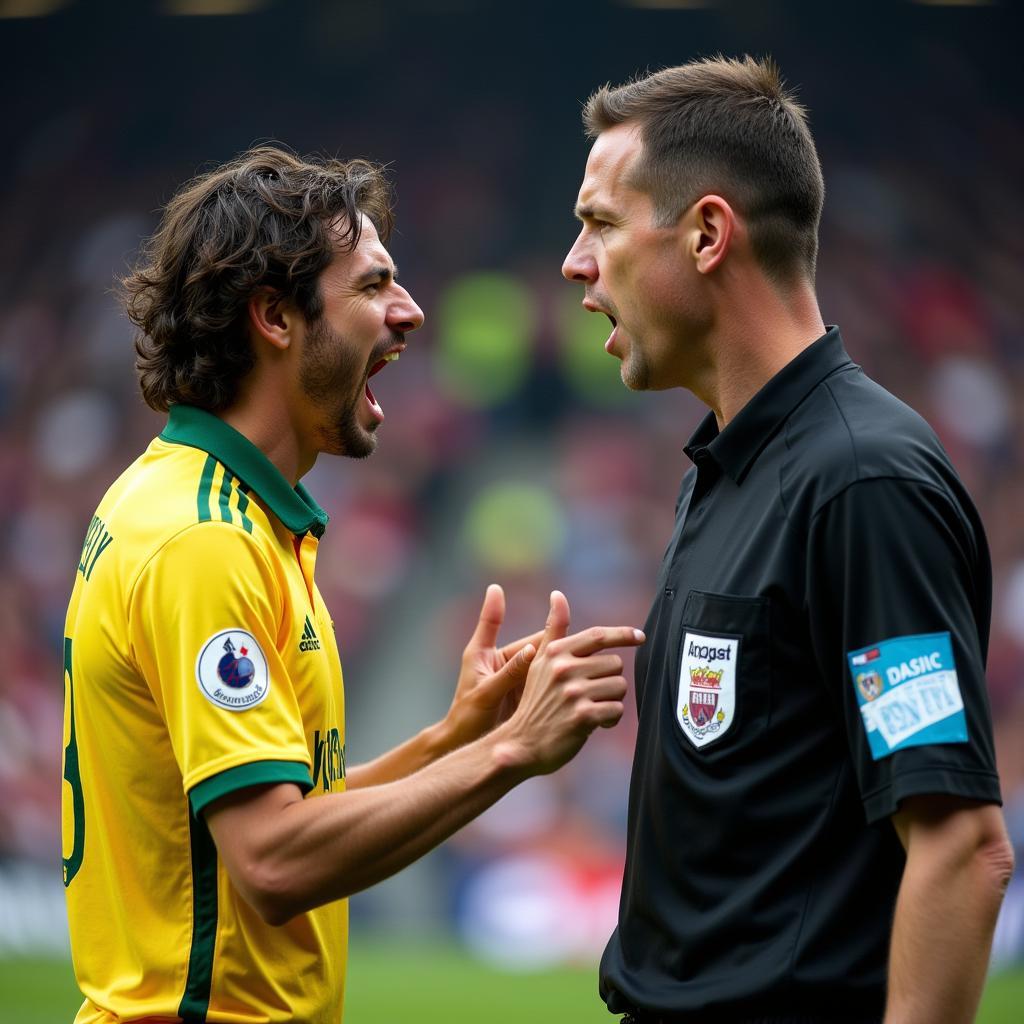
x,y
225,496
243,505
195,1000
205,486
230,487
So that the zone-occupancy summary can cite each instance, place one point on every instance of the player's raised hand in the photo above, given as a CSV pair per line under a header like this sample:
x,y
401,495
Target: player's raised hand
x,y
573,686
491,677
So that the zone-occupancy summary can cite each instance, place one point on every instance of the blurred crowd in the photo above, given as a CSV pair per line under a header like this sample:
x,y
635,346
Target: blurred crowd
x,y
510,452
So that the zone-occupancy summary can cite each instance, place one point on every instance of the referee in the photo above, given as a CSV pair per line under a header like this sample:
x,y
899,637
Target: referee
x,y
814,832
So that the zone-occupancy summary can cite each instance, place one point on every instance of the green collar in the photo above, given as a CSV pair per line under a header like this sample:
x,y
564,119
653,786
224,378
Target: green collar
x,y
199,429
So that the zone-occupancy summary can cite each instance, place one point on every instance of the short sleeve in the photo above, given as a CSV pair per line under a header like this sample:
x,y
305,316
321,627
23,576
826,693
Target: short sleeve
x,y
898,592
204,618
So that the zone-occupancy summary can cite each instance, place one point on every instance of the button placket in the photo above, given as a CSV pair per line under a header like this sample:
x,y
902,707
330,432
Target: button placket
x,y
702,488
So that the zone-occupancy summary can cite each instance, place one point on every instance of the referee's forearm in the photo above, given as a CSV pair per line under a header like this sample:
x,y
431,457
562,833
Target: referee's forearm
x,y
956,873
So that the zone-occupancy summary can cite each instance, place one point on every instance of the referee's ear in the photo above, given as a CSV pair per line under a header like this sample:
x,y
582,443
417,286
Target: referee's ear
x,y
711,226
272,319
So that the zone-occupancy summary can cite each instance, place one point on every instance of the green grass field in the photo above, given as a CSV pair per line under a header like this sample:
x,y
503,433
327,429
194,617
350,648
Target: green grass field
x,y
435,984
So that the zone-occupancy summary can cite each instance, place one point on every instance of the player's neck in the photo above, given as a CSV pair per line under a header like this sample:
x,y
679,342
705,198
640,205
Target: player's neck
x,y
268,426
755,338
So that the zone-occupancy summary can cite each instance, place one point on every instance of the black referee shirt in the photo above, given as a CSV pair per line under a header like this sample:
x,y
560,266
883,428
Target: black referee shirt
x,y
815,654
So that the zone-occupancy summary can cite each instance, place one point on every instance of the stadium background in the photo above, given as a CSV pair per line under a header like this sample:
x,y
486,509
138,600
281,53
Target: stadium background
x,y
510,452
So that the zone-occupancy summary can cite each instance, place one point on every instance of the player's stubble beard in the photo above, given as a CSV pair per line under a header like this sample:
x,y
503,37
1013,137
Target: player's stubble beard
x,y
333,377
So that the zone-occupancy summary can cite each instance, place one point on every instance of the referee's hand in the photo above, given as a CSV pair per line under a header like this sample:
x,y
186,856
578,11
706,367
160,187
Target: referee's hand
x,y
572,687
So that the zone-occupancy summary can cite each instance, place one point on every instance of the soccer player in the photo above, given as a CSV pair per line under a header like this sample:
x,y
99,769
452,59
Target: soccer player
x,y
213,829
814,832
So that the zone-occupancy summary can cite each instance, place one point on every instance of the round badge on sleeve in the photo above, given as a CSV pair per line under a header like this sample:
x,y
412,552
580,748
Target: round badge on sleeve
x,y
232,670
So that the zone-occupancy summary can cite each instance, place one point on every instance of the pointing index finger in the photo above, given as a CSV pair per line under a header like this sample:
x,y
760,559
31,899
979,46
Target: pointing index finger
x,y
600,638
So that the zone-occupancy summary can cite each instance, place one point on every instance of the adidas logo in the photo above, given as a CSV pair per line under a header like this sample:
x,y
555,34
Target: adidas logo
x,y
309,641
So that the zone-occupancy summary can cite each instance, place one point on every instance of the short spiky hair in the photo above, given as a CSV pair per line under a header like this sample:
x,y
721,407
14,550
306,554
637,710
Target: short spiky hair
x,y
267,219
725,126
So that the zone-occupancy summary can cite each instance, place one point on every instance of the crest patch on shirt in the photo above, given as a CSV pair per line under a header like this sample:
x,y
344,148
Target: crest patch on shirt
x,y
232,670
707,686
908,692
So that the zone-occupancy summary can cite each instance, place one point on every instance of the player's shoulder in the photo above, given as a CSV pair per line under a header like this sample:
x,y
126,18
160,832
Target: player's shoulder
x,y
850,430
178,493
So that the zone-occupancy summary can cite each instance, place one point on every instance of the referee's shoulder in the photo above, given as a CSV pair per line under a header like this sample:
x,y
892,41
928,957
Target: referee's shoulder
x,y
849,430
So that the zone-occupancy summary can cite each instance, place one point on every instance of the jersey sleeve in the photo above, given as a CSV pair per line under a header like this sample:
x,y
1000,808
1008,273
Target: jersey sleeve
x,y
898,599
205,621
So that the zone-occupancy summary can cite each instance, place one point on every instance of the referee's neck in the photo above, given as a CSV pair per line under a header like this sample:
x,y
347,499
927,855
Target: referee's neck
x,y
758,332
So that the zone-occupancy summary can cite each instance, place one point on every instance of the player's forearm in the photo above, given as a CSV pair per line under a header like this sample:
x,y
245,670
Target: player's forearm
x,y
946,912
286,855
325,849
415,753
474,711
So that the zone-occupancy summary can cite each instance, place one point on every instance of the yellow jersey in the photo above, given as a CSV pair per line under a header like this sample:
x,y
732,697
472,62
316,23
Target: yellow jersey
x,y
199,658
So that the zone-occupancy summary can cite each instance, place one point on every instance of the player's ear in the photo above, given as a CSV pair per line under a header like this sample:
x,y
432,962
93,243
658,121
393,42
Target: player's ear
x,y
712,225
272,318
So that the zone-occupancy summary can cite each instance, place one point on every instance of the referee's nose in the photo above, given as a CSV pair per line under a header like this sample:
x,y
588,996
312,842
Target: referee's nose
x,y
579,265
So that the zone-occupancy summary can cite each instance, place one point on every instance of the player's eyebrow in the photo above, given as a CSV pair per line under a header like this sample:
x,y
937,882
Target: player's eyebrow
x,y
380,274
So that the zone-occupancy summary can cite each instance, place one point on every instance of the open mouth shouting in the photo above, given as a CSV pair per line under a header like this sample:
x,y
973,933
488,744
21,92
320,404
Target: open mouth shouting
x,y
611,337
592,307
389,357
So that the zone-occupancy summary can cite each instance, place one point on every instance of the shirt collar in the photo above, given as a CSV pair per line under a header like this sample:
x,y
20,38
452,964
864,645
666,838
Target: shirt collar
x,y
736,447
197,428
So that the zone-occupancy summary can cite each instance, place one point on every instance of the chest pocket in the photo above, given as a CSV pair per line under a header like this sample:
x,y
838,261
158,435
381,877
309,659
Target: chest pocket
x,y
722,693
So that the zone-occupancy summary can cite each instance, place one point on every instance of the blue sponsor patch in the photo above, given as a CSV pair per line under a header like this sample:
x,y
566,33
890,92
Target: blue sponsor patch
x,y
908,692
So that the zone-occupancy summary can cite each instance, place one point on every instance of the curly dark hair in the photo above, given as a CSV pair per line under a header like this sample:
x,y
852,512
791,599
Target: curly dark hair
x,y
268,218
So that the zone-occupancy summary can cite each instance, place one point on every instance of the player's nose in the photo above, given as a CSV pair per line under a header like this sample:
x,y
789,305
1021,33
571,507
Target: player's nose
x,y
404,315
